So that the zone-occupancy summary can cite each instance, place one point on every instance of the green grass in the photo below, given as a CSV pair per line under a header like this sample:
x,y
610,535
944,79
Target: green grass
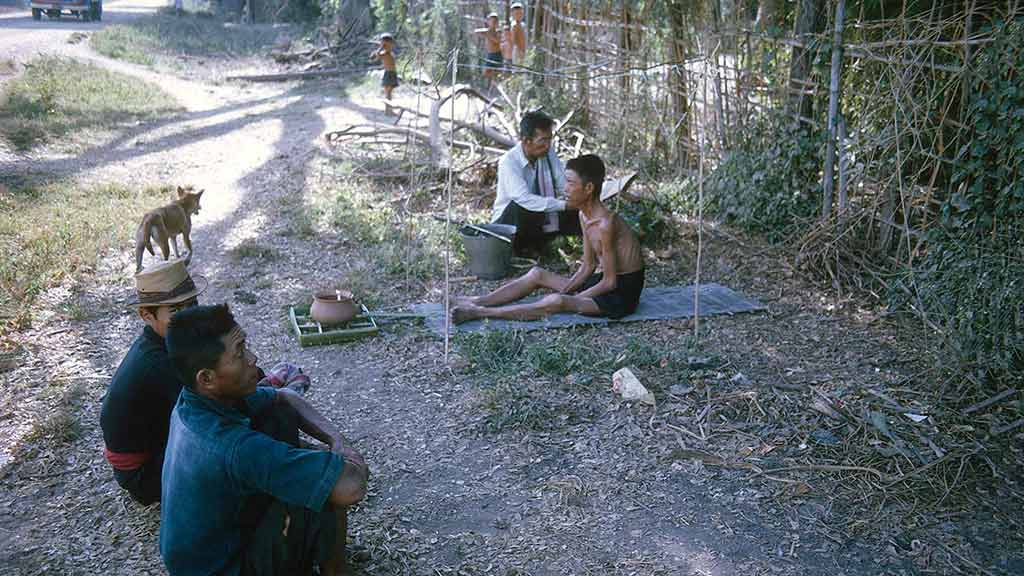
x,y
61,426
252,249
58,98
156,40
55,231
396,256
543,381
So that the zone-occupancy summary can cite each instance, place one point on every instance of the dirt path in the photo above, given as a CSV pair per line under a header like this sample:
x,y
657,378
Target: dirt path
x,y
603,495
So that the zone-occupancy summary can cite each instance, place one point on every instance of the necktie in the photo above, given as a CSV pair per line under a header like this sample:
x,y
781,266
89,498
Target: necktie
x,y
546,188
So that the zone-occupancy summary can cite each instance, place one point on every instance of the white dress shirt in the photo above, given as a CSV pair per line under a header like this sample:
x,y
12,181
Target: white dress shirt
x,y
517,182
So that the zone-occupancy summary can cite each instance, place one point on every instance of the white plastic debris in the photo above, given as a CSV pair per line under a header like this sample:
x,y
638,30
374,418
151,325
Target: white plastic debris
x,y
626,384
916,417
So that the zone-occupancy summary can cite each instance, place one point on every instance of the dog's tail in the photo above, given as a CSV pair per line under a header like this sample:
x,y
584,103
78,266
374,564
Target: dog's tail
x,y
151,223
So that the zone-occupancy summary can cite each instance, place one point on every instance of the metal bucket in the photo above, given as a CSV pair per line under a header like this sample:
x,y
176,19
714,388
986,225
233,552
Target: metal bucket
x,y
488,256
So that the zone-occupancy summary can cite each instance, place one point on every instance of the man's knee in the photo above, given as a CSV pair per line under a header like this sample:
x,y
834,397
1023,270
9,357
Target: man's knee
x,y
280,422
553,303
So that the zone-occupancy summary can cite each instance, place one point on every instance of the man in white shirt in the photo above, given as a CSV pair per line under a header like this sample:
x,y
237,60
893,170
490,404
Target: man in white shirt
x,y
531,188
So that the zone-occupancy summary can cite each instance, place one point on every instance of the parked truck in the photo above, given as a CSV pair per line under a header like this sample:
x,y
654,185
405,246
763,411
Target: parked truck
x,y
87,10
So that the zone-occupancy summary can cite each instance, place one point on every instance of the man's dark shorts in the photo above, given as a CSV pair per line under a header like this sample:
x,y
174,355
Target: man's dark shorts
x,y
494,60
310,538
309,541
390,78
623,300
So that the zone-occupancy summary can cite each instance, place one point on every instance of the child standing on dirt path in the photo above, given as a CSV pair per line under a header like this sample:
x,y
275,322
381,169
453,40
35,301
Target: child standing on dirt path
x,y
384,53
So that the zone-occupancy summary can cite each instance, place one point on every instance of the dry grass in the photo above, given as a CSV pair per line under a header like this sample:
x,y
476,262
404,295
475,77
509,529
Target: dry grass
x,y
189,44
51,232
59,99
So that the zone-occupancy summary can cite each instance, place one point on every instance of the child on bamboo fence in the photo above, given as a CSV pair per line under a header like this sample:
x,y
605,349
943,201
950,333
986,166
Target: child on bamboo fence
x,y
494,60
385,53
517,35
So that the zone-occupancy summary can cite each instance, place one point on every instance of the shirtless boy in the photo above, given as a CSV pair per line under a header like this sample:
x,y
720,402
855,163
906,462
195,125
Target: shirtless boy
x,y
609,245
384,53
517,34
494,61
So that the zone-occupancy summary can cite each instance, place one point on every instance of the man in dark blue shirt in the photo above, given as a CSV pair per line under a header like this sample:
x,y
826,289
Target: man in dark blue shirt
x,y
137,407
239,500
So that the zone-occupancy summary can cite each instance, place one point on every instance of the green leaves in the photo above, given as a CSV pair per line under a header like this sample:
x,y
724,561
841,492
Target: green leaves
x,y
768,182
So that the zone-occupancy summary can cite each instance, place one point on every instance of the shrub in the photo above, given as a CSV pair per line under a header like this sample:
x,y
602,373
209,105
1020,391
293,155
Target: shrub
x,y
769,181
970,281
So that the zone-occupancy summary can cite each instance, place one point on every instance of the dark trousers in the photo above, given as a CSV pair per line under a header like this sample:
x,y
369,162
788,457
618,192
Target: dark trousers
x,y
530,235
143,484
310,535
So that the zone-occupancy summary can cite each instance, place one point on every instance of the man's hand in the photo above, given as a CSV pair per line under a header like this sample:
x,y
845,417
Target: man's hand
x,y
340,446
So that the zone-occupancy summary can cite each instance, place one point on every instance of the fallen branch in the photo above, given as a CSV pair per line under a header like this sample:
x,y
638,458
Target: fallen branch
x,y
285,76
989,401
481,128
370,130
440,153
826,468
1011,426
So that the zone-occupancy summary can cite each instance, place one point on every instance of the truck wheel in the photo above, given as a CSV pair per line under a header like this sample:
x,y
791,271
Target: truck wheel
x,y
37,14
97,11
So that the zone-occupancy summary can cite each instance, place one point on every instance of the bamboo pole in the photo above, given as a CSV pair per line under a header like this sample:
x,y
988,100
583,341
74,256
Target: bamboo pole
x,y
700,210
844,168
448,218
833,110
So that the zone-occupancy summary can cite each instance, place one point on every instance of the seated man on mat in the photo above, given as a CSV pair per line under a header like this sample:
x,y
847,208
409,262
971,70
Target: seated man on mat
x,y
531,188
238,495
608,244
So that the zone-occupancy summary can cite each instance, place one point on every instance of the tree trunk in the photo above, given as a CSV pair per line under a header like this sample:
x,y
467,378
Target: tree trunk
x,y
808,22
833,110
583,85
356,16
767,14
677,79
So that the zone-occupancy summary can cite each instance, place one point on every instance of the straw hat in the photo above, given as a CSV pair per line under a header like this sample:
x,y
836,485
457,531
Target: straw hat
x,y
166,283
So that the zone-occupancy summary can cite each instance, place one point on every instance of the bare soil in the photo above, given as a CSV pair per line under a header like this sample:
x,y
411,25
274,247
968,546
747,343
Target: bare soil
x,y
603,487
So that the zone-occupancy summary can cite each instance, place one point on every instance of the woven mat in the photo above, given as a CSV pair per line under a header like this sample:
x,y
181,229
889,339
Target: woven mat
x,y
656,303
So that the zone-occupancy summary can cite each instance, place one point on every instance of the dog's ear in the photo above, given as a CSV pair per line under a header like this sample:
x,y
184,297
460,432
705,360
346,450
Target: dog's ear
x,y
182,192
200,193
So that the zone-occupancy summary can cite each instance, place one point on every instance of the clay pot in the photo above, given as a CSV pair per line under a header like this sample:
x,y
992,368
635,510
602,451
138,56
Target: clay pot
x,y
333,307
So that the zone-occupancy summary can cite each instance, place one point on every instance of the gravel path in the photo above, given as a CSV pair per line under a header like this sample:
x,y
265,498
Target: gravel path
x,y
605,495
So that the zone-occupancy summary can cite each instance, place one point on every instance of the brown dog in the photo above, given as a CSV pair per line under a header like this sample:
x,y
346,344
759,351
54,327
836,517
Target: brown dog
x,y
165,223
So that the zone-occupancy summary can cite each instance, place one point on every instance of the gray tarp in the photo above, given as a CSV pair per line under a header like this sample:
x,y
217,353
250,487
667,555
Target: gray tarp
x,y
656,303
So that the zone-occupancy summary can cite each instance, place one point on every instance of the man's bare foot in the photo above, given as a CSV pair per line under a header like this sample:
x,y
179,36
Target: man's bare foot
x,y
464,313
464,301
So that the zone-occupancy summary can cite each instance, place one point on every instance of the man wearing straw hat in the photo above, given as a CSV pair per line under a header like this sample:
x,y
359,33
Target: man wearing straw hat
x,y
138,403
137,406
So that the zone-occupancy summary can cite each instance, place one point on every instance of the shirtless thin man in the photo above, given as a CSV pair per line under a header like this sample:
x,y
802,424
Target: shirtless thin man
x,y
609,246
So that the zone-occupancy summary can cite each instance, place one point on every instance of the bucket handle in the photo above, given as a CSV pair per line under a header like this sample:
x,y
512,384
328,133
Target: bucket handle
x,y
488,232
